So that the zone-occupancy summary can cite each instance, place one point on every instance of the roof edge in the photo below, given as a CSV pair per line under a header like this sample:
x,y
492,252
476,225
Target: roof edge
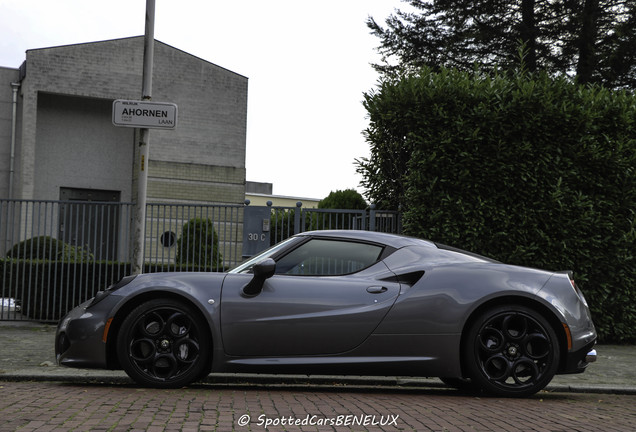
x,y
136,37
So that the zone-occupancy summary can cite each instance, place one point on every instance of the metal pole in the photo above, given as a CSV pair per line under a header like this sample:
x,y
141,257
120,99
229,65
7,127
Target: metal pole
x,y
144,140
149,50
297,227
15,87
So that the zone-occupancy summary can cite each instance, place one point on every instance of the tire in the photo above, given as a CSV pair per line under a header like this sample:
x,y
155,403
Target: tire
x,y
163,343
511,351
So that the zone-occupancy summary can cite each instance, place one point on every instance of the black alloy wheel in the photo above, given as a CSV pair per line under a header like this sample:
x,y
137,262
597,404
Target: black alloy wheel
x,y
512,351
163,343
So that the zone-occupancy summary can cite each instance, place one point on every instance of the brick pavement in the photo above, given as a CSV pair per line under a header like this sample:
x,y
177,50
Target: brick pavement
x,y
38,396
53,407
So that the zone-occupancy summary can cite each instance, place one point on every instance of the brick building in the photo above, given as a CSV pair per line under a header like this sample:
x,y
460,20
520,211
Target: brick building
x,y
66,147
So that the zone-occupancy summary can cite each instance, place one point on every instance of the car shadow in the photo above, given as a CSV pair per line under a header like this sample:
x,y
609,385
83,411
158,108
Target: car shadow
x,y
336,387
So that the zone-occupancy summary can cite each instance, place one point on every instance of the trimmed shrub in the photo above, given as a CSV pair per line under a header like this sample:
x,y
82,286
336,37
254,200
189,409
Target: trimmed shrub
x,y
199,245
37,248
529,170
49,248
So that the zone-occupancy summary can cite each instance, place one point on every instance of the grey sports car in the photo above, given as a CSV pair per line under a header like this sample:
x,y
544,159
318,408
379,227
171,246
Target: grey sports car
x,y
341,302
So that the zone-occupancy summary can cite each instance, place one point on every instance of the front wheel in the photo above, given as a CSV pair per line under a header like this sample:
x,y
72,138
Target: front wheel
x,y
164,344
511,351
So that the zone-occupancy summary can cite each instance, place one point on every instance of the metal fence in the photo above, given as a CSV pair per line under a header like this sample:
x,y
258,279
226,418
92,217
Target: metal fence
x,y
287,221
193,237
57,254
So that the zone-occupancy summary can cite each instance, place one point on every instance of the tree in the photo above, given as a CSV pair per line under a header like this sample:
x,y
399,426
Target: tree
x,y
593,41
339,210
343,199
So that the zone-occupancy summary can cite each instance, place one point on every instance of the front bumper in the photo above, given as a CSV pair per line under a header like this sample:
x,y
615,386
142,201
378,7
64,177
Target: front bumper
x,y
79,338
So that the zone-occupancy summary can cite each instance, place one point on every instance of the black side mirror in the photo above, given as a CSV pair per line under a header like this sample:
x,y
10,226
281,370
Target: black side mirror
x,y
262,271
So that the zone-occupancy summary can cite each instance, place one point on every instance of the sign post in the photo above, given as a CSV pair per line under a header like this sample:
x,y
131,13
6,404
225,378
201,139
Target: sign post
x,y
144,115
142,171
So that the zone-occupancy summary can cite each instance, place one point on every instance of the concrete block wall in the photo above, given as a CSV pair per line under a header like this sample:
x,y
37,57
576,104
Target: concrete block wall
x,y
7,76
196,183
212,117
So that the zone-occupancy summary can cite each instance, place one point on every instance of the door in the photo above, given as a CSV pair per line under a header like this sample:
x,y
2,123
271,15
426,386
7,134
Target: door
x,y
88,220
326,297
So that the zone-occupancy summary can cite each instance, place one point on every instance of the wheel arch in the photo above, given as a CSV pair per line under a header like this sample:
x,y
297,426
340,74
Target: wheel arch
x,y
130,305
535,305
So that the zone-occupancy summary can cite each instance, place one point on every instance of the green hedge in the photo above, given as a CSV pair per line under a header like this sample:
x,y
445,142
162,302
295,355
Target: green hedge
x,y
529,170
47,290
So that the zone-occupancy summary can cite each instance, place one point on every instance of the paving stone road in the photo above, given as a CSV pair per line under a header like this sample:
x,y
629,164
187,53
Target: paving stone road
x,y
38,396
54,406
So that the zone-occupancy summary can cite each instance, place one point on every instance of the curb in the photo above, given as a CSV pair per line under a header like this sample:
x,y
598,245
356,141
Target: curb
x,y
336,383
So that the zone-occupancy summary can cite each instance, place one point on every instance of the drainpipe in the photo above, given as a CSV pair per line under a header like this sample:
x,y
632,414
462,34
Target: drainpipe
x,y
16,87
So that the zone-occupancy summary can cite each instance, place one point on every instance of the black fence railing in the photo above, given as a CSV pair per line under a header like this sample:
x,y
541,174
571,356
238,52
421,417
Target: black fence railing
x,y
57,254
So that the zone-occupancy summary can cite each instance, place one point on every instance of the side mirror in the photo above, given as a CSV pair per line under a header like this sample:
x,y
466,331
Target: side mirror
x,y
262,271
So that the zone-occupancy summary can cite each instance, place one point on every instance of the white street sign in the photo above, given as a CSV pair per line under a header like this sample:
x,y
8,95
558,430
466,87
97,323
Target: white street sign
x,y
143,114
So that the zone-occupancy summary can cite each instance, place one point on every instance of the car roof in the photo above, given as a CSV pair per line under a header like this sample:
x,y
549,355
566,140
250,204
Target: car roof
x,y
393,240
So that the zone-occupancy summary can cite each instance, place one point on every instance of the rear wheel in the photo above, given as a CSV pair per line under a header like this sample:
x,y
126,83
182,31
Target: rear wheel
x,y
164,343
511,351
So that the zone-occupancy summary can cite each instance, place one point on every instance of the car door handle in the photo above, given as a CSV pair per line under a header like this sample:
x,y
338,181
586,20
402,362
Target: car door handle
x,y
377,289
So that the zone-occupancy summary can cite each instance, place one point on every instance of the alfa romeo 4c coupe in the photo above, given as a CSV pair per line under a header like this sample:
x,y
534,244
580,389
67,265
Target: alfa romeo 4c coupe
x,y
341,302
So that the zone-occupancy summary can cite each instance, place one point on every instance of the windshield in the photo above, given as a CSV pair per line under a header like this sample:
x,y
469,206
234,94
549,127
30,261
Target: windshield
x,y
246,266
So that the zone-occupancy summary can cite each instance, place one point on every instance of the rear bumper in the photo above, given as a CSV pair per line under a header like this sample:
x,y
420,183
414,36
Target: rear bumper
x,y
578,361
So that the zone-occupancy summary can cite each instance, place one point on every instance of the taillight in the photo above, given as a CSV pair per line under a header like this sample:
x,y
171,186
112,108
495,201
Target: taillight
x,y
578,291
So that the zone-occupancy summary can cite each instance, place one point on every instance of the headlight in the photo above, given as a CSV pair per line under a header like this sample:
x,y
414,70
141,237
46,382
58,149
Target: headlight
x,y
101,295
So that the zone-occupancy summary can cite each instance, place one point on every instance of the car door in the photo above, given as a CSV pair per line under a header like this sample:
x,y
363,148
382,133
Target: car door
x,y
326,297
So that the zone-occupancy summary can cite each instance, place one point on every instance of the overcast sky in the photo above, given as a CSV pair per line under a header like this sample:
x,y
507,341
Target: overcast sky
x,y
308,64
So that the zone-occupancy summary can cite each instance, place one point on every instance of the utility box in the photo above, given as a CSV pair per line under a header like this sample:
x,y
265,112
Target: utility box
x,y
256,227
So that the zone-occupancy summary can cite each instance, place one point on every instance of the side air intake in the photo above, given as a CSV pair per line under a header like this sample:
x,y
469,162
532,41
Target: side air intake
x,y
409,279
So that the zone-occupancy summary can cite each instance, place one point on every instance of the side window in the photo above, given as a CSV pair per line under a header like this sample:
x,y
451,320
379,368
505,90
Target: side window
x,y
323,257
